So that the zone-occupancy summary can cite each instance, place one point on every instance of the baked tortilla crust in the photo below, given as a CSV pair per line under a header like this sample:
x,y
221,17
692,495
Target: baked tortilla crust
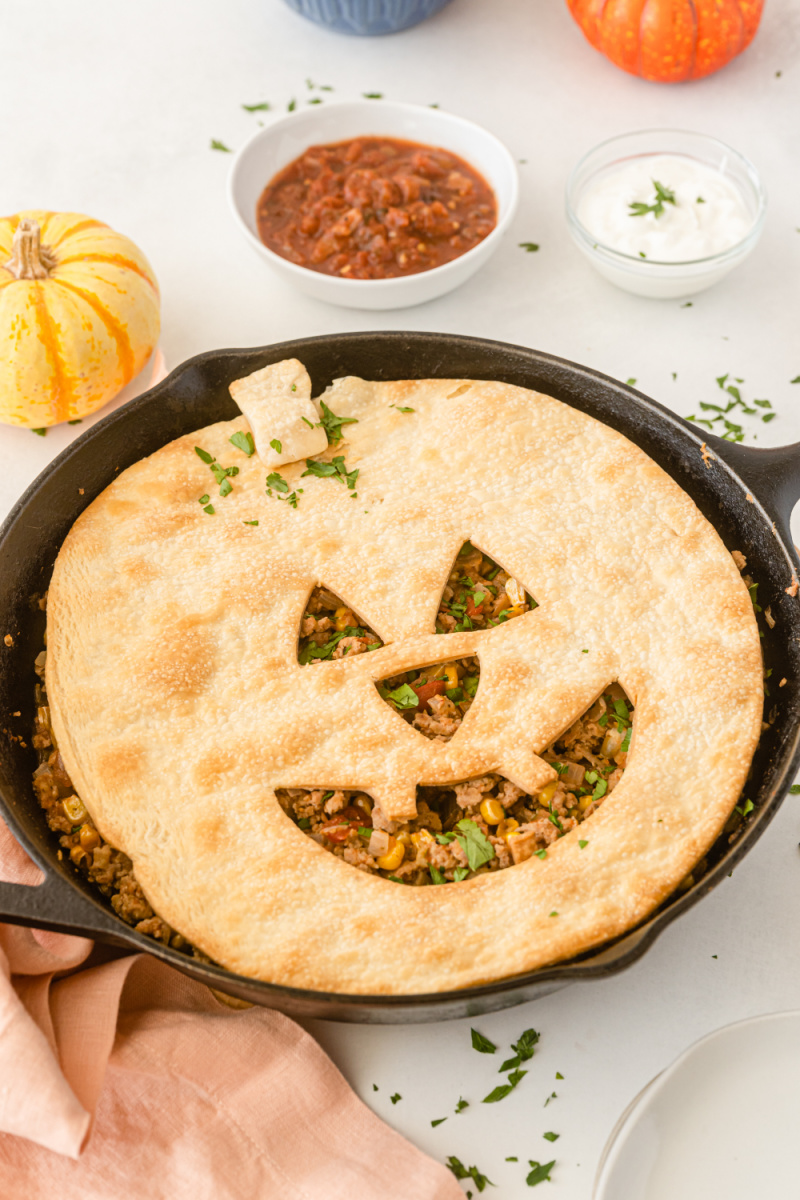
x,y
179,705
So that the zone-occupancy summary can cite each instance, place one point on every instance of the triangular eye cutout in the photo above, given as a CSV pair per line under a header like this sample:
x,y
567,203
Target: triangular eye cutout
x,y
330,629
434,700
479,594
590,758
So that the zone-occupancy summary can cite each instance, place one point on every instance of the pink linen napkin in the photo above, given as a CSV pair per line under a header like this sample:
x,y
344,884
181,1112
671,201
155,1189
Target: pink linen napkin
x,y
127,1079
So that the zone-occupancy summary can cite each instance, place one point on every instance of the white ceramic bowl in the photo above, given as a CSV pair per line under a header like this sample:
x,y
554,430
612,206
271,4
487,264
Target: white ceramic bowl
x,y
648,277
275,146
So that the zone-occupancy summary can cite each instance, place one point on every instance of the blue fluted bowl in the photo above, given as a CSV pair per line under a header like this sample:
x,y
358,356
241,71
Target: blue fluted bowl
x,y
367,17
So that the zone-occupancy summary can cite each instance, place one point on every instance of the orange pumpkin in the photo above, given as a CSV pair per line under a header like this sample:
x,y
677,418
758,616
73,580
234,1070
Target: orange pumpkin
x,y
79,316
668,41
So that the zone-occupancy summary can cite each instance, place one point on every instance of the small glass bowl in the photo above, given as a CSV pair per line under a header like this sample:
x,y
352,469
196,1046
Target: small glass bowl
x,y
649,277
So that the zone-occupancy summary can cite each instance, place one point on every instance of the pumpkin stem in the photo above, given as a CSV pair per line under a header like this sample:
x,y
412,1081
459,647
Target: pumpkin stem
x,y
29,258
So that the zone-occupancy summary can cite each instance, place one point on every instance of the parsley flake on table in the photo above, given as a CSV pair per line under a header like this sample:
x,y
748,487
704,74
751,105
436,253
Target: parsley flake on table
x,y
529,247
558,1076
481,1043
795,380
552,1096
523,1049
438,1121
512,1158
372,95
217,145
262,107
540,1172
395,1098
461,1172
794,790
291,106
244,442
462,1104
630,382
551,1137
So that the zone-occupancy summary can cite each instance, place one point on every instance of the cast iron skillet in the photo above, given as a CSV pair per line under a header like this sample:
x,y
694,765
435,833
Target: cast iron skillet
x,y
747,495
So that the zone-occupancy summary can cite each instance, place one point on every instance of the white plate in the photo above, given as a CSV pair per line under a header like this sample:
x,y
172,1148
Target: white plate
x,y
722,1122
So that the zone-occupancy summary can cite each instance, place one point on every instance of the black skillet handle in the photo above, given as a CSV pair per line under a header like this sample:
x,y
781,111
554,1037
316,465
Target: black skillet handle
x,y
773,475
55,904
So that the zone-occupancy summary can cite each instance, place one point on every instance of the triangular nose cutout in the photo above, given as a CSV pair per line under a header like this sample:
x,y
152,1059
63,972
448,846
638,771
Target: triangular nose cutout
x,y
434,700
480,594
330,629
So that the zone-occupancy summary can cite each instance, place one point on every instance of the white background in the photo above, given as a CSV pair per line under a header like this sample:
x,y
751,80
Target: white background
x,y
109,108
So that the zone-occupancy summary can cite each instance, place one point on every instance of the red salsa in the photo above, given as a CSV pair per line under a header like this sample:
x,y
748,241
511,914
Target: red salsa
x,y
375,208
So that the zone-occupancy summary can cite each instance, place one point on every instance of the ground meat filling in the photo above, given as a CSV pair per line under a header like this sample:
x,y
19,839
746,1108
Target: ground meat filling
x,y
329,629
109,869
480,825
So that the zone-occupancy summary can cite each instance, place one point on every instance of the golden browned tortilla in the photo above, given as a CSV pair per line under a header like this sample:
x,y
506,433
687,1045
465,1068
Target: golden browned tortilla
x,y
179,704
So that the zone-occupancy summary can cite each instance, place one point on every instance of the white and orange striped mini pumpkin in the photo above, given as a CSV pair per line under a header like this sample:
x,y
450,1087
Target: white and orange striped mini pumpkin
x,y
79,316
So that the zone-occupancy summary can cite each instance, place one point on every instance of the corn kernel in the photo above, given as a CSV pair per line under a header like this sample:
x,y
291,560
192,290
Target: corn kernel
x,y
516,611
75,809
89,837
78,854
451,675
423,838
584,802
393,857
343,618
507,827
404,838
492,811
547,793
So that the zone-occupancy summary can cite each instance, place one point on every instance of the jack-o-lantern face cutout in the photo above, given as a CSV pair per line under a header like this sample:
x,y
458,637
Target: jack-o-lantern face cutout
x,y
180,706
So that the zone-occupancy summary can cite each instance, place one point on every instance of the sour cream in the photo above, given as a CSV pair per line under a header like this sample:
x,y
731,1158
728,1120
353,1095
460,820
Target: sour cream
x,y
709,213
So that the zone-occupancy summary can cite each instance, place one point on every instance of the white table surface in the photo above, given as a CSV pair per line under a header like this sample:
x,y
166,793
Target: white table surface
x,y
109,108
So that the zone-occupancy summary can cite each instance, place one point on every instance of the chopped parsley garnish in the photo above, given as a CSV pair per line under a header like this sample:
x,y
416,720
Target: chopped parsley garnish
x,y
249,522
663,196
552,816
462,1172
209,508
291,106
437,876
440,1121
276,480
335,469
551,1137
512,1158
583,843
243,441
333,424
372,95
402,697
310,424
41,432
523,1049
481,1043
794,790
217,145
699,200
304,823
204,455
225,488
402,408
76,421
462,1104
475,844
553,913
204,499
552,1095
558,1076
530,247
262,107
460,873
541,854
276,445
540,1172
395,1098
630,382
745,809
